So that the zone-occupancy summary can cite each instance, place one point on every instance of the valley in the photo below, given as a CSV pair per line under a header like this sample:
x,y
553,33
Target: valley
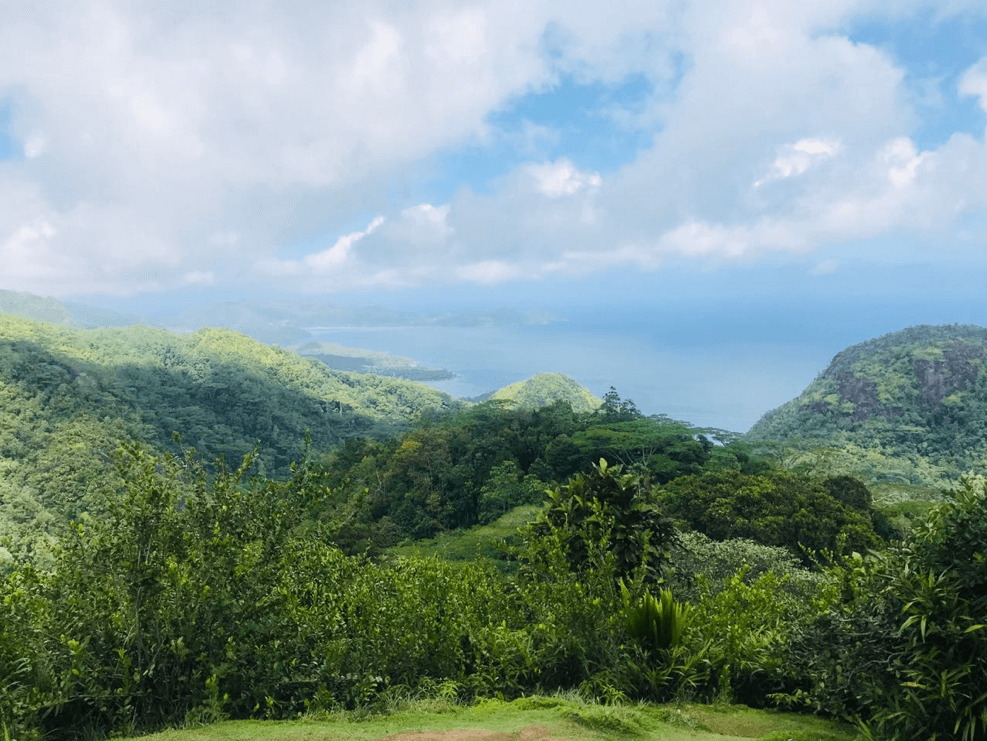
x,y
535,539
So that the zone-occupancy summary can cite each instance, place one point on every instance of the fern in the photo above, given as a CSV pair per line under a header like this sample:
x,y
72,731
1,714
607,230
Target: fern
x,y
656,622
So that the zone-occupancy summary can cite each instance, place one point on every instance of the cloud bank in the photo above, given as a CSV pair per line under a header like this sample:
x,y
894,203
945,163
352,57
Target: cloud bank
x,y
246,143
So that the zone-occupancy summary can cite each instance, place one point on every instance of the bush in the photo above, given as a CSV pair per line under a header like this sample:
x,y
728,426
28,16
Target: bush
x,y
775,508
700,559
907,651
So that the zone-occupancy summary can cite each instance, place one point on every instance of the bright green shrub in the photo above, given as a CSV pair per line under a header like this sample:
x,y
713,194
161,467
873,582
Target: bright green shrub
x,y
714,563
22,661
907,651
657,623
744,627
608,510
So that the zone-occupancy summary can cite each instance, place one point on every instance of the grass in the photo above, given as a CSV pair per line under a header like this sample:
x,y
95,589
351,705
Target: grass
x,y
476,543
560,717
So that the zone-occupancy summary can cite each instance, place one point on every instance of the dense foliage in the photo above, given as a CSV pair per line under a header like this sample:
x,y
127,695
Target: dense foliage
x,y
910,406
656,564
907,647
68,397
778,508
611,512
197,596
472,466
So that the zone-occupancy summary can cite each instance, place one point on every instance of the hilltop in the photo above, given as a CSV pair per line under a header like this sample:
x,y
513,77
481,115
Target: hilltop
x,y
30,306
544,389
909,406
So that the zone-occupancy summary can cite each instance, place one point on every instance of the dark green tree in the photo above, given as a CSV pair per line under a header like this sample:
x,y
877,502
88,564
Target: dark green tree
x,y
774,508
614,510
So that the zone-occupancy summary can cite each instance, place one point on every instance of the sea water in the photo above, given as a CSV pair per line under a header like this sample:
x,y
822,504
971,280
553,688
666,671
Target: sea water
x,y
727,385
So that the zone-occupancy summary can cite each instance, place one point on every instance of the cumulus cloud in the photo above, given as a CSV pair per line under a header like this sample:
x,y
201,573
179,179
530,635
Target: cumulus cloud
x,y
426,222
163,145
903,161
797,158
322,262
561,178
974,82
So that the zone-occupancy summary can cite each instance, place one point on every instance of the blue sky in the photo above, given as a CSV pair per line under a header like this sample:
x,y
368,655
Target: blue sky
x,y
765,168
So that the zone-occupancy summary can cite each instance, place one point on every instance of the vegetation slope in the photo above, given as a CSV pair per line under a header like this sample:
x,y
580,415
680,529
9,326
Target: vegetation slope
x,y
68,397
652,564
544,389
907,407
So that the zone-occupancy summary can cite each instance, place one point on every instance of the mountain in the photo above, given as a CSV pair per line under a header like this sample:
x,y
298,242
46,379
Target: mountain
x,y
69,397
42,308
93,317
909,406
287,322
546,388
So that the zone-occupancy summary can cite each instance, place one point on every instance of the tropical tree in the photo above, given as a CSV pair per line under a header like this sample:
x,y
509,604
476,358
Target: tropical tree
x,y
613,509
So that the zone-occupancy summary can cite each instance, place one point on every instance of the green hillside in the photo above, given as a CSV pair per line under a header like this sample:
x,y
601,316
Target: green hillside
x,y
605,555
42,308
545,389
69,396
909,407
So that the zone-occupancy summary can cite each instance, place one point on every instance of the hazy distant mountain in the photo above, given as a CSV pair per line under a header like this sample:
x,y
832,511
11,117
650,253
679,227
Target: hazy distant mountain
x,y
547,388
286,323
92,317
918,396
340,357
42,308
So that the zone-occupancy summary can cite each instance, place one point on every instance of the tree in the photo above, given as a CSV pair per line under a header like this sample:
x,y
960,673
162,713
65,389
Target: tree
x,y
613,510
615,409
908,648
774,508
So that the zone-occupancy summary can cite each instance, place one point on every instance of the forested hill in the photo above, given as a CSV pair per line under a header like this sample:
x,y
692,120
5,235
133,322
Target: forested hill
x,y
919,394
28,305
69,396
547,388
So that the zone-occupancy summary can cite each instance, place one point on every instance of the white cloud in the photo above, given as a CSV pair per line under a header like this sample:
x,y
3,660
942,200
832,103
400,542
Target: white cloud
x,y
428,221
324,262
492,272
974,82
903,161
199,278
321,262
157,142
34,146
795,159
561,178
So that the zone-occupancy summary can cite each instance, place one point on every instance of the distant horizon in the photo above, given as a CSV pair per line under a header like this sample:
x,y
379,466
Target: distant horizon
x,y
712,367
755,172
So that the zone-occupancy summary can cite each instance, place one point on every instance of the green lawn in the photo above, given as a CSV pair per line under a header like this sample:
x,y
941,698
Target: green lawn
x,y
530,719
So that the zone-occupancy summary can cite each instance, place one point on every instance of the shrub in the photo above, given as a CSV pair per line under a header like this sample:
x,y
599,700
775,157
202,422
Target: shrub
x,y
907,650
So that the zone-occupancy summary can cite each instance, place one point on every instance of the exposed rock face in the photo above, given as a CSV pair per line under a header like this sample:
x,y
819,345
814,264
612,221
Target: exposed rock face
x,y
925,375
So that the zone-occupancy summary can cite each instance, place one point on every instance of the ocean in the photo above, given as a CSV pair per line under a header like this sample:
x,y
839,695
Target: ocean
x,y
727,385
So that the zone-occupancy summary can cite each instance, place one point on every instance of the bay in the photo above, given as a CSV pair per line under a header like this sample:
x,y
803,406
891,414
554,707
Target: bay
x,y
728,385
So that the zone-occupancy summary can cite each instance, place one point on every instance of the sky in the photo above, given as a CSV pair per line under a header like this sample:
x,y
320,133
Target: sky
x,y
762,170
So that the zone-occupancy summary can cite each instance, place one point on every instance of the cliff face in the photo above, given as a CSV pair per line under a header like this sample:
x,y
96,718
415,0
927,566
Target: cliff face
x,y
921,390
